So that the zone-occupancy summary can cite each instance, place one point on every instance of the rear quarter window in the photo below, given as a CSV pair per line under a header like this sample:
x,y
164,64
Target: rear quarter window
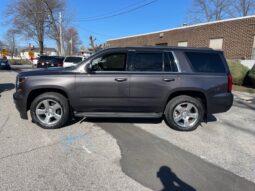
x,y
206,62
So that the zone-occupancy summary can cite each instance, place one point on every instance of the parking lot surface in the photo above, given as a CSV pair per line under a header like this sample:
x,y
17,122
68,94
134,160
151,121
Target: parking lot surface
x,y
114,154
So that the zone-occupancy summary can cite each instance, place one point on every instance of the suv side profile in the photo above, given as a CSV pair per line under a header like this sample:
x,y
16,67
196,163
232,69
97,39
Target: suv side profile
x,y
182,85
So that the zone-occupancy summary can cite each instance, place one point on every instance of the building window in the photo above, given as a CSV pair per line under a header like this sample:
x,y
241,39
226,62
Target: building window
x,y
216,44
162,44
183,44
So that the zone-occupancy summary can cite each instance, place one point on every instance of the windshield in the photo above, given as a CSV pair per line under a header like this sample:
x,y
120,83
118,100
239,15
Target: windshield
x,y
45,58
73,59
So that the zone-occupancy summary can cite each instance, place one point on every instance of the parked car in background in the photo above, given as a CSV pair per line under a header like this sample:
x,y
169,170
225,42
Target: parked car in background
x,y
34,62
72,60
44,61
57,61
5,64
87,54
181,85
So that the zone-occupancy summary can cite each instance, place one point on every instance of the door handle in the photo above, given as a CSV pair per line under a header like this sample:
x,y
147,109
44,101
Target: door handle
x,y
120,79
168,79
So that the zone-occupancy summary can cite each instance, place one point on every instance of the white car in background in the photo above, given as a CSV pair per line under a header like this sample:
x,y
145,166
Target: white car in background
x,y
34,62
72,60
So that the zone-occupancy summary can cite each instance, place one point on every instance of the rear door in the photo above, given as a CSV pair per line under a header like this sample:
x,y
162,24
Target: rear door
x,y
153,75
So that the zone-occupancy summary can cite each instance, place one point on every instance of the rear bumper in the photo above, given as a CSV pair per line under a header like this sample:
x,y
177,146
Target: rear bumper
x,y
220,103
21,104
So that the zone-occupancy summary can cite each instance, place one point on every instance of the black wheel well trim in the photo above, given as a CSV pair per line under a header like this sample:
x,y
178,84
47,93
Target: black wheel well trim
x,y
38,91
196,93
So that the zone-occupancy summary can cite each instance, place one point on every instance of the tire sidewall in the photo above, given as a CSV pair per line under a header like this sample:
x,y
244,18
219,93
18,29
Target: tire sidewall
x,y
172,104
59,99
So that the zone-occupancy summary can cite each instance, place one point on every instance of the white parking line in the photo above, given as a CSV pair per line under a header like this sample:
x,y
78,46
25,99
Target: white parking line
x,y
86,149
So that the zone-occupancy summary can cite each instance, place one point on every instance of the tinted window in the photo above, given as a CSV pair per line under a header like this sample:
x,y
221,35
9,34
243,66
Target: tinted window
x,y
73,59
110,62
3,61
206,62
45,58
147,62
170,65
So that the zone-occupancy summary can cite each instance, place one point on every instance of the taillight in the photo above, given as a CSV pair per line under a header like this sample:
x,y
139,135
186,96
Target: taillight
x,y
230,82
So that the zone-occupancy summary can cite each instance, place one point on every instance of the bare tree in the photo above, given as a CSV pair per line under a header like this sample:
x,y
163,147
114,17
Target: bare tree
x,y
28,17
1,45
11,41
53,8
93,45
243,7
72,41
209,10
32,18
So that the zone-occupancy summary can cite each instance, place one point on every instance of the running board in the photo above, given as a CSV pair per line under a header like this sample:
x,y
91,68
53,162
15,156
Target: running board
x,y
118,115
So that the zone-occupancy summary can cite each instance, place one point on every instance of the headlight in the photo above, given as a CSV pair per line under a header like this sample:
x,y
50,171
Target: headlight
x,y
19,81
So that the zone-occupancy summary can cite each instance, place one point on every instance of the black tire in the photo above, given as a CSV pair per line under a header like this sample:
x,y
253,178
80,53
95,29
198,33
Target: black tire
x,y
61,100
173,103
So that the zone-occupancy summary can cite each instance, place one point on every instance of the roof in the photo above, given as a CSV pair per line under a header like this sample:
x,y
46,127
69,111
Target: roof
x,y
185,27
36,49
162,48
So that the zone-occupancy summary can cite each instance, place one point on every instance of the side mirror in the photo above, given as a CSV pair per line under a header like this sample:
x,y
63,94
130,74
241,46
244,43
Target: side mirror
x,y
92,68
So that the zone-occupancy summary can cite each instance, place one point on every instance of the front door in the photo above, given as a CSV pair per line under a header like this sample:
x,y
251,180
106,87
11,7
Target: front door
x,y
106,88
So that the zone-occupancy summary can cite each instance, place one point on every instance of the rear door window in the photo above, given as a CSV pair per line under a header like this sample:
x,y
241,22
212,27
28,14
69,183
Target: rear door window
x,y
206,62
147,62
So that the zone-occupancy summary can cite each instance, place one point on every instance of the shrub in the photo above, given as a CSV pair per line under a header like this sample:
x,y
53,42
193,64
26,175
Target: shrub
x,y
238,71
20,62
251,77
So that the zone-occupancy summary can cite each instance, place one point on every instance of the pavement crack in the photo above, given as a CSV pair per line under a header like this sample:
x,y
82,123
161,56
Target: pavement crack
x,y
29,151
5,122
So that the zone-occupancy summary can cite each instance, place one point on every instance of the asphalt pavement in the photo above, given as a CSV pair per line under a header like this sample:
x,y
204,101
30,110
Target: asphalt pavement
x,y
160,165
125,154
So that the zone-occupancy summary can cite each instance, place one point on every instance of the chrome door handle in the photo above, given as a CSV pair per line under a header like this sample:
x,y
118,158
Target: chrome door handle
x,y
168,79
120,79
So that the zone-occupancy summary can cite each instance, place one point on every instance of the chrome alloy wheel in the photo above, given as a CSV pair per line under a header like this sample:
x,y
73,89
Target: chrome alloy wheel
x,y
186,115
49,112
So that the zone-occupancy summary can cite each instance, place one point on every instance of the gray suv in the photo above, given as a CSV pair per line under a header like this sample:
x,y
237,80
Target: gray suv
x,y
181,85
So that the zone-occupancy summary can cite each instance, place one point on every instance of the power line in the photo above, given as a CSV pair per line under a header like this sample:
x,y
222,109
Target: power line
x,y
114,11
93,32
118,13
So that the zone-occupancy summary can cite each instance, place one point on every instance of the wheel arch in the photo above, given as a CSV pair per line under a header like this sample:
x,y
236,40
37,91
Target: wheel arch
x,y
36,92
196,93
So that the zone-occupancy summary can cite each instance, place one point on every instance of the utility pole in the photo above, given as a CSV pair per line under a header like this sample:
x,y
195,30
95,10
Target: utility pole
x,y
61,35
92,42
71,42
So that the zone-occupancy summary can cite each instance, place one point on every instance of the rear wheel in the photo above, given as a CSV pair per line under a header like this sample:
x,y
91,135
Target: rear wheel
x,y
50,110
184,113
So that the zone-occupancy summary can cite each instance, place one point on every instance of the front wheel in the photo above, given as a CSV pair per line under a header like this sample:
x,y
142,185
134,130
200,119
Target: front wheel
x,y
184,113
50,110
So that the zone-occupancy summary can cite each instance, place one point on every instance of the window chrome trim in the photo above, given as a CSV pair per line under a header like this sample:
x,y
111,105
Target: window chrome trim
x,y
176,61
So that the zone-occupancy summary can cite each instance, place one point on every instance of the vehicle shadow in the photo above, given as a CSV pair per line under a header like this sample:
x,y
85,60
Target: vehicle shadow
x,y
211,118
6,87
171,181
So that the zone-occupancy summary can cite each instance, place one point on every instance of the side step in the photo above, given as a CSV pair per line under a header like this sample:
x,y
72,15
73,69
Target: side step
x,y
118,115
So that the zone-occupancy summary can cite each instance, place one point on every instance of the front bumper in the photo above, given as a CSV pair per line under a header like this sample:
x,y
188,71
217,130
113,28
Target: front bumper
x,y
21,104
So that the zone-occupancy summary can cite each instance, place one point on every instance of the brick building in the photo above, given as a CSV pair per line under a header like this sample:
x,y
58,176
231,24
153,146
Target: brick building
x,y
236,37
